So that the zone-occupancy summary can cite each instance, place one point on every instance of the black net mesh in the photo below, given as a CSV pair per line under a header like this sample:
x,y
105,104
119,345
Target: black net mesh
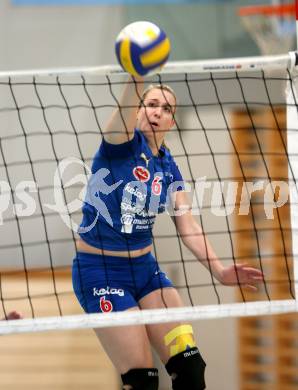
x,y
229,141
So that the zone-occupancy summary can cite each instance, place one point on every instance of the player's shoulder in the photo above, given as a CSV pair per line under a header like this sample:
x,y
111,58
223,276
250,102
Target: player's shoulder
x,y
166,153
123,150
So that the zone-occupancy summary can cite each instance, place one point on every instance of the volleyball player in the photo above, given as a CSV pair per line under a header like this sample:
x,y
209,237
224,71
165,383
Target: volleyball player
x,y
133,174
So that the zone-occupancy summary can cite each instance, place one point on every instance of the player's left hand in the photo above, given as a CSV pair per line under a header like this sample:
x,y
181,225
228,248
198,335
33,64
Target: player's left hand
x,y
241,274
13,315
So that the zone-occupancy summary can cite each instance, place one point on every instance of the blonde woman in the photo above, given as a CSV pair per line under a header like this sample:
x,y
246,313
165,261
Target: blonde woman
x,y
133,174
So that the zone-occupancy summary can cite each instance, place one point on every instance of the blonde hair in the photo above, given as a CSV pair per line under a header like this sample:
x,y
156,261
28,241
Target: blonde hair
x,y
162,87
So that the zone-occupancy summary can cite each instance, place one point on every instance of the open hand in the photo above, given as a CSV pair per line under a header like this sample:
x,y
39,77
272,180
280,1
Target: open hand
x,y
13,315
241,274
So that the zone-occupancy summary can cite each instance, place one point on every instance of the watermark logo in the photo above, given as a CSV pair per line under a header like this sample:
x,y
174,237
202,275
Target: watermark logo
x,y
24,204
94,186
60,206
137,200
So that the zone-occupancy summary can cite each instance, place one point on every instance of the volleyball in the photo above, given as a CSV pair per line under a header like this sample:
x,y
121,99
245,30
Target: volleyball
x,y
142,48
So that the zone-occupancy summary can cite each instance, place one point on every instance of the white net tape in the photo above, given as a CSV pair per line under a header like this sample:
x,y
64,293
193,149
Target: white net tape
x,y
155,316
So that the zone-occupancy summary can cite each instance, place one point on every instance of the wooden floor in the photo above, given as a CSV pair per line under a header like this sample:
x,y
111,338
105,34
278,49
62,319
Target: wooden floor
x,y
64,360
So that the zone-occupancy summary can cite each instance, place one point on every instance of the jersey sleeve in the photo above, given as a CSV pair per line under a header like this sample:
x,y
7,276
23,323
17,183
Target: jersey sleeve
x,y
124,150
177,179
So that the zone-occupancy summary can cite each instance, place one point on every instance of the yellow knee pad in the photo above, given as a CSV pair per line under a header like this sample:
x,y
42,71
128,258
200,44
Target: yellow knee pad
x,y
182,339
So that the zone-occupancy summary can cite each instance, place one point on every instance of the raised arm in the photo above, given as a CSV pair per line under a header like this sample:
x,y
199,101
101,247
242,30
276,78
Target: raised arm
x,y
195,240
120,127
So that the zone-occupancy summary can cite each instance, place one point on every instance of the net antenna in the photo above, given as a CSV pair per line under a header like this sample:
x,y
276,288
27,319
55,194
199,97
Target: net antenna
x,y
272,26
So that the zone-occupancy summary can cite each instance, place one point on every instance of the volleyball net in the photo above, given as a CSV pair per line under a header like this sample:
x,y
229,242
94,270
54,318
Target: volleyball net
x,y
235,141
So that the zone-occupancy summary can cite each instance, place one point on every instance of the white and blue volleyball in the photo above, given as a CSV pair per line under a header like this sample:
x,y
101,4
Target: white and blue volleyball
x,y
142,48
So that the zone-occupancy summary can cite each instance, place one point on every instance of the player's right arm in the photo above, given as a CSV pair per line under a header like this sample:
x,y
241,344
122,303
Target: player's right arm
x,y
121,125
194,238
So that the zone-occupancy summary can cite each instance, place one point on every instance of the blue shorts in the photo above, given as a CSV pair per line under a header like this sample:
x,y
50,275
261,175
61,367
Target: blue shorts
x,y
109,283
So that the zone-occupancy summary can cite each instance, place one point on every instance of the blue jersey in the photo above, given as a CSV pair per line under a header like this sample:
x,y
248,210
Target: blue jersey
x,y
129,186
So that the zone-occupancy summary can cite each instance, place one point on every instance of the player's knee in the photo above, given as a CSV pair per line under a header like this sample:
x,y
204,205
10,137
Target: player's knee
x,y
185,365
141,379
187,370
